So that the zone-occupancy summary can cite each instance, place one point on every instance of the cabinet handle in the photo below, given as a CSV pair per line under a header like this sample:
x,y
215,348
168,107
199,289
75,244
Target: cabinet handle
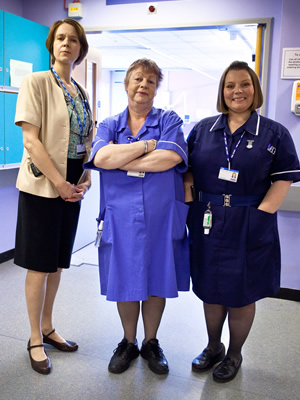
x,y
7,148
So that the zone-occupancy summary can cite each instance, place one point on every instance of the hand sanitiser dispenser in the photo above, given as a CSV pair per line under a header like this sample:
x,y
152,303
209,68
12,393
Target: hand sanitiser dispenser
x,y
295,104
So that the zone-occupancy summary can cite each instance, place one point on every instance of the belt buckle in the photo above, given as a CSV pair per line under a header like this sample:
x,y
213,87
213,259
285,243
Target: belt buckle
x,y
226,200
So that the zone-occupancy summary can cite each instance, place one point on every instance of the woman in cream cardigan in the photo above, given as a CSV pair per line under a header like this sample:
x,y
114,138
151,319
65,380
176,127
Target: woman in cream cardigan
x,y
56,122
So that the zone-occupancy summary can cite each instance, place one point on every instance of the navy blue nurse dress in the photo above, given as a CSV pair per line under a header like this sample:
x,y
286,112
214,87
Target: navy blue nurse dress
x,y
144,249
238,262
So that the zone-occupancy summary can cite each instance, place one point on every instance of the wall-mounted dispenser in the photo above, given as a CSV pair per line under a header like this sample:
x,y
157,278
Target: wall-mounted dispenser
x,y
295,104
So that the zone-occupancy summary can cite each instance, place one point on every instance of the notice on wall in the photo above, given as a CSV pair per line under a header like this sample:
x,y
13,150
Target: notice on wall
x,y
290,68
19,69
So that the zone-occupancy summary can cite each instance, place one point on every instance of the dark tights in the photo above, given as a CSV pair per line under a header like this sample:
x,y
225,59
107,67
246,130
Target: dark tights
x,y
239,322
152,311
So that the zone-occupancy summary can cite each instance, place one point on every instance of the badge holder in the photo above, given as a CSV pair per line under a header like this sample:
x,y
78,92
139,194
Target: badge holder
x,y
207,220
80,149
99,234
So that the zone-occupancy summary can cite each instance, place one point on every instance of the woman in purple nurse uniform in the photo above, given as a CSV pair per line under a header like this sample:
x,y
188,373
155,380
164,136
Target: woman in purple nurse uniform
x,y
141,155
241,167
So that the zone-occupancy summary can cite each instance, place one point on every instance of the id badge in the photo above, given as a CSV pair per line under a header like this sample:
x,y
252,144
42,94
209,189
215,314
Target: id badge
x,y
230,175
136,174
80,149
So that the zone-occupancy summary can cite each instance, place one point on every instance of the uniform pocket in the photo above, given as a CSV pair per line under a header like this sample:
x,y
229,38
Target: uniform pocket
x,y
262,228
107,227
180,213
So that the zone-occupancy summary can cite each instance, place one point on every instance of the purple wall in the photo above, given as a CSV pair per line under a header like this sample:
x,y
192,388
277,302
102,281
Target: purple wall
x,y
288,38
8,216
12,6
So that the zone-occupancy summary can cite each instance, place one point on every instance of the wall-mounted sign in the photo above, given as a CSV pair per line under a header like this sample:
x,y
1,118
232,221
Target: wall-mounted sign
x,y
290,68
19,69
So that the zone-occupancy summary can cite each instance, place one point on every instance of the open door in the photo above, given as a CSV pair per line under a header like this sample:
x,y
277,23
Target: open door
x,y
88,74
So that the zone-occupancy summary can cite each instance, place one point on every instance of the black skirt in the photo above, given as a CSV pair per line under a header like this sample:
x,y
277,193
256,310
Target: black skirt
x,y
46,228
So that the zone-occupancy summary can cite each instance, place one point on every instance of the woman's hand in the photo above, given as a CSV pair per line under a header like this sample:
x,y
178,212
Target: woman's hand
x,y
66,190
275,196
80,191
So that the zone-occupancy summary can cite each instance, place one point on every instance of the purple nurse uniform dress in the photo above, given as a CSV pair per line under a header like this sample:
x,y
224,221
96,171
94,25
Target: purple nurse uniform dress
x,y
144,248
238,262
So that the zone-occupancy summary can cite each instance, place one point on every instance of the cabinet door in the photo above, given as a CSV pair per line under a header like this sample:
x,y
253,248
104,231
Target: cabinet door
x,y
13,139
1,49
24,41
2,129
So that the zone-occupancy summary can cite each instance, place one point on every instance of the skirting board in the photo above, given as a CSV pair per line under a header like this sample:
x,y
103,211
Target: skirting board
x,y
7,255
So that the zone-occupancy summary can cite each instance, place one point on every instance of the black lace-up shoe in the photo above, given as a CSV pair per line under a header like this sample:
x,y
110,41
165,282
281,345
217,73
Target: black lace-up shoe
x,y
227,370
206,360
123,355
152,352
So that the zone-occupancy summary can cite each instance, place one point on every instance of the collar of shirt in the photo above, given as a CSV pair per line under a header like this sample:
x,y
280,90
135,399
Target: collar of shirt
x,y
251,126
151,120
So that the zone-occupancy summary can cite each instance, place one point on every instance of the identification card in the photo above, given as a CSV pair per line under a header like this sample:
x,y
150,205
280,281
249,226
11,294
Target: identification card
x,y
229,175
136,174
80,149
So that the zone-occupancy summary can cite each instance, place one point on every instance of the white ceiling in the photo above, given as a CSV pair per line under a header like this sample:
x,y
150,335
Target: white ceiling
x,y
207,50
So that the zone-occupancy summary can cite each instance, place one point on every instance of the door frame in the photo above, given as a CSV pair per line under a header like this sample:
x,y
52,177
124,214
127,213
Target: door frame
x,y
266,22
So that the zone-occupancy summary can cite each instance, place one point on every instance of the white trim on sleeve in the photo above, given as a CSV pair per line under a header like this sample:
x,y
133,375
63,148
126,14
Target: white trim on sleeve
x,y
167,141
285,172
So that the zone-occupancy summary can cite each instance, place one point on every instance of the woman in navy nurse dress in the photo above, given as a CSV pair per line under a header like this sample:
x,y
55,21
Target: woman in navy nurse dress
x,y
141,155
241,168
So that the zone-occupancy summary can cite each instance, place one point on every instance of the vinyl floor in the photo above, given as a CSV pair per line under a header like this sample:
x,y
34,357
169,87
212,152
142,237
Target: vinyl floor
x,y
270,370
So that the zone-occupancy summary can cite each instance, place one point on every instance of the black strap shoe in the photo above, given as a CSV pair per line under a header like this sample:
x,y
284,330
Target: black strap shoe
x,y
42,367
206,360
157,361
227,370
123,355
65,346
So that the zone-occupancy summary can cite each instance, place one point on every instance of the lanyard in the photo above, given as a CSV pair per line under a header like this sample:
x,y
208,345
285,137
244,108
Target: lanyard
x,y
234,150
81,127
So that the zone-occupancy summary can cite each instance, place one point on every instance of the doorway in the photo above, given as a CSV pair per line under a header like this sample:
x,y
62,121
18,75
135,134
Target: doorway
x,y
192,59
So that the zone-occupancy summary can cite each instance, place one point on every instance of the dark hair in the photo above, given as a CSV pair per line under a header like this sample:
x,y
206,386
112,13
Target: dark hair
x,y
237,66
147,65
84,46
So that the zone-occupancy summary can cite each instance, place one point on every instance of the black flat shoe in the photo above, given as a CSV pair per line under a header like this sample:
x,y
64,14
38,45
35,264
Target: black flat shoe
x,y
65,346
42,367
157,361
123,355
227,370
206,360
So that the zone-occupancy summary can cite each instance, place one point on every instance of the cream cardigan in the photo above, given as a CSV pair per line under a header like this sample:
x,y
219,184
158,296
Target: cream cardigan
x,y
41,103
